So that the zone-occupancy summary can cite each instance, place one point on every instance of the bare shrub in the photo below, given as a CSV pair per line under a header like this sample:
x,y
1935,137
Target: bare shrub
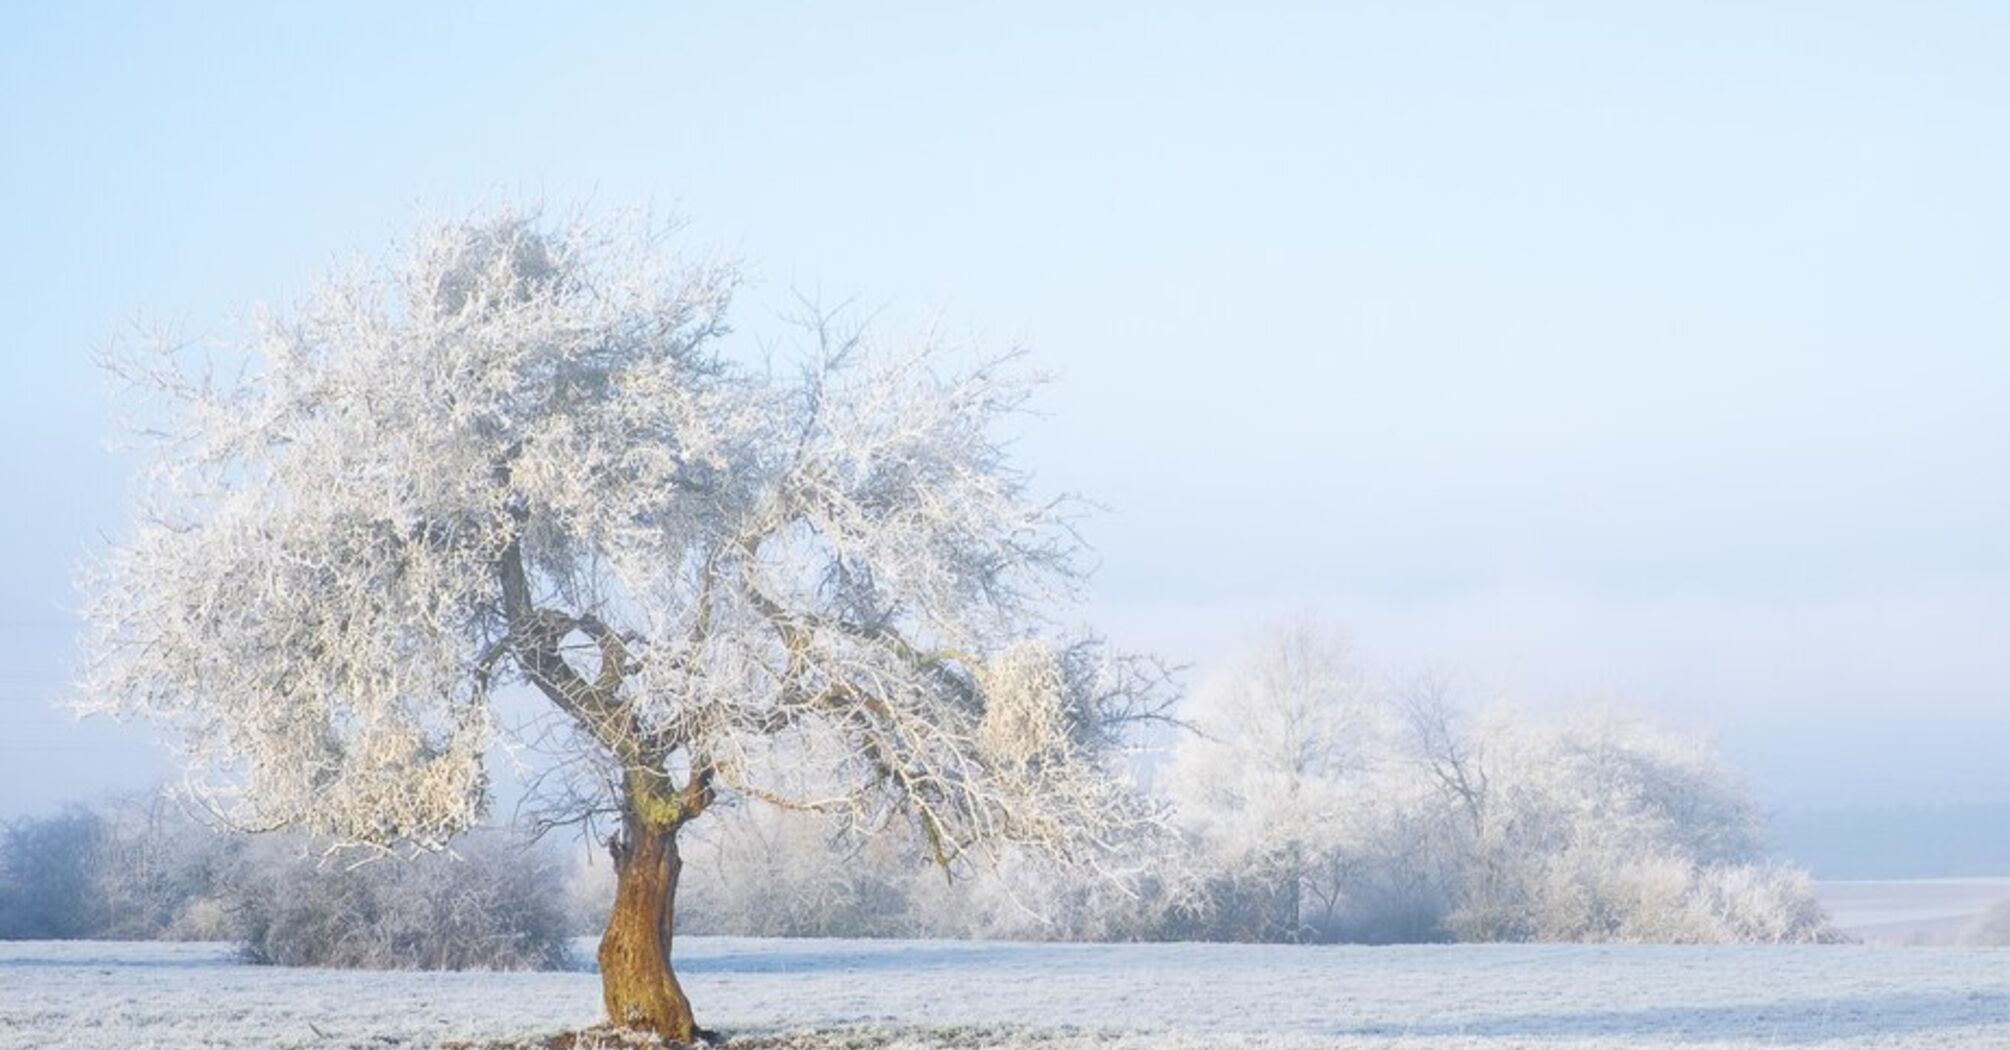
x,y
161,873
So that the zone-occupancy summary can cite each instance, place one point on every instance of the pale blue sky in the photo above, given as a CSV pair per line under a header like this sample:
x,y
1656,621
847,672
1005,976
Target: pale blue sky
x,y
1588,351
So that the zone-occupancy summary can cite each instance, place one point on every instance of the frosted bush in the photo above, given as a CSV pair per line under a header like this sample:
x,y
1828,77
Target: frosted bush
x,y
1766,903
161,872
494,903
1609,829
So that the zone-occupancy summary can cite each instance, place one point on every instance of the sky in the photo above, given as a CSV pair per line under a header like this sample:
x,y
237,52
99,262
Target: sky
x,y
1650,355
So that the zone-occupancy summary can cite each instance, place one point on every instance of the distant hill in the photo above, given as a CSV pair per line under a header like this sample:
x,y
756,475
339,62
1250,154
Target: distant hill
x,y
1904,842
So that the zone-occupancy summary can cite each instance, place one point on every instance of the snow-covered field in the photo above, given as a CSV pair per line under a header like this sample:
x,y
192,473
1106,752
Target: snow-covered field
x,y
1112,997
1910,911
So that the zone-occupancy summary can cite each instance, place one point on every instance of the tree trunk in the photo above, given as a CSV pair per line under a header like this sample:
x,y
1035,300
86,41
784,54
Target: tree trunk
x,y
636,982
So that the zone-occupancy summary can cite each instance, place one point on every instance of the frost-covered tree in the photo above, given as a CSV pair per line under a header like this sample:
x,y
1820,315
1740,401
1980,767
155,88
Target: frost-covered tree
x,y
776,873
1324,805
521,454
1596,827
1279,767
46,888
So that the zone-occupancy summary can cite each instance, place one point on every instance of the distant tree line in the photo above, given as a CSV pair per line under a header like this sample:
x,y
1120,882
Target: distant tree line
x,y
144,869
1309,801
1322,804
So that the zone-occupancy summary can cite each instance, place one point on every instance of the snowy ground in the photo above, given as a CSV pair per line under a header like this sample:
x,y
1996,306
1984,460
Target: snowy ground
x,y
1111,997
1910,911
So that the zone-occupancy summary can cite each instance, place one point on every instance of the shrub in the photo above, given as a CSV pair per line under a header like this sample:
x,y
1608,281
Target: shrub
x,y
494,902
160,873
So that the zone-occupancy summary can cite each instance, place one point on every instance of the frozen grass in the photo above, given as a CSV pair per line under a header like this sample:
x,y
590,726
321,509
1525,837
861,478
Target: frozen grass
x,y
816,995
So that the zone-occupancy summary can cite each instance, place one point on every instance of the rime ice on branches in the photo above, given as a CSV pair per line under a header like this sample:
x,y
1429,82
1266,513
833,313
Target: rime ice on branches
x,y
521,456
